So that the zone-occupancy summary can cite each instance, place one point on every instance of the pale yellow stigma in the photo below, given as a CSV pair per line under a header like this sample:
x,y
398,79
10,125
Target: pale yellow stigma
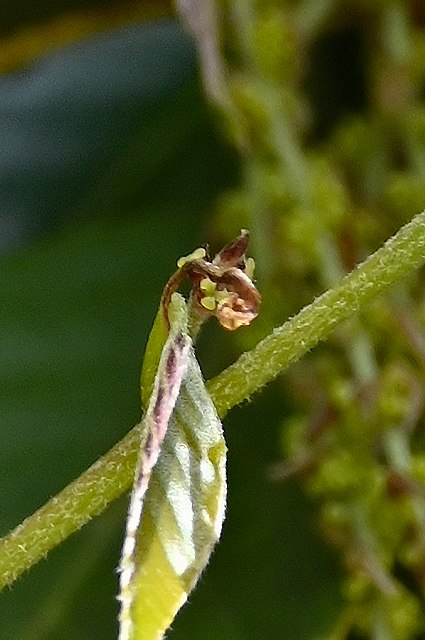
x,y
222,295
198,254
212,297
208,287
209,303
250,267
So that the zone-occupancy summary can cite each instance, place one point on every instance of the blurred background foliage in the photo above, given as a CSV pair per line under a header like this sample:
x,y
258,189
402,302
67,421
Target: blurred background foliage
x,y
125,143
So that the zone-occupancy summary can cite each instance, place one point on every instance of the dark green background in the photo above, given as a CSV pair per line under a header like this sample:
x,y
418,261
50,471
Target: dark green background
x,y
110,169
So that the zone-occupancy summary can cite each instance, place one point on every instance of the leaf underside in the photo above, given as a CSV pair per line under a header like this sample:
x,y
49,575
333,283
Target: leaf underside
x,y
184,504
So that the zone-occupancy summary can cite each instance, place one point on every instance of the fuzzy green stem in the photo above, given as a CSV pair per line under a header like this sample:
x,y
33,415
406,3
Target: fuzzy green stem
x,y
401,254
112,474
70,509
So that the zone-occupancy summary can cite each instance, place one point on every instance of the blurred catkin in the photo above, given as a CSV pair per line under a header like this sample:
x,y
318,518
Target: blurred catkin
x,y
324,101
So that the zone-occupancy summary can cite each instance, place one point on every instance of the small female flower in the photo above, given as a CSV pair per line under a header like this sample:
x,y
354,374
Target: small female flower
x,y
222,287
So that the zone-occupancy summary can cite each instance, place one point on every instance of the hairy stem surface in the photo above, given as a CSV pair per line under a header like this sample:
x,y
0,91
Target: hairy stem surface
x,y
112,474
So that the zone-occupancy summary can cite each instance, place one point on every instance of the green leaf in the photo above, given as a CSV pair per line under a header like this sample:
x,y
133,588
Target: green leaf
x,y
175,513
154,347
